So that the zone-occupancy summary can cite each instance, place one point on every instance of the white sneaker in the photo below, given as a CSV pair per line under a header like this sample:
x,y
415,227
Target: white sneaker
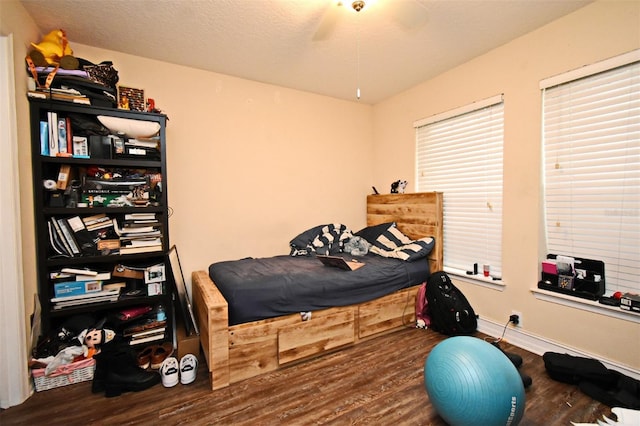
x,y
169,372
188,369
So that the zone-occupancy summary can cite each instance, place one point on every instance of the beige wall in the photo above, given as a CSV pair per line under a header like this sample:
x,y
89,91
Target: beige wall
x,y
250,164
593,33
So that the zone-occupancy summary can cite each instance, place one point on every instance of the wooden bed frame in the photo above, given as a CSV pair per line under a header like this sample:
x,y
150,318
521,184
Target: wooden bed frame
x,y
234,353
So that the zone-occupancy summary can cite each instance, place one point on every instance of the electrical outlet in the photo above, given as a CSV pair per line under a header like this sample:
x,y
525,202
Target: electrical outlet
x,y
519,315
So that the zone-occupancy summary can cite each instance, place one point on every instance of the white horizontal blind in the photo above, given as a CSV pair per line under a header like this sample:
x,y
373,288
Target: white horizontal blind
x,y
462,157
591,132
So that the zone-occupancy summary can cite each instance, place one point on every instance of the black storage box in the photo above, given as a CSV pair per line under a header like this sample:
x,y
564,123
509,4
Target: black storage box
x,y
590,285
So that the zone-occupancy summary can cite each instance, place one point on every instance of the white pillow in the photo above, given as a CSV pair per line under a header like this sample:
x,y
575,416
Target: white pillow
x,y
129,127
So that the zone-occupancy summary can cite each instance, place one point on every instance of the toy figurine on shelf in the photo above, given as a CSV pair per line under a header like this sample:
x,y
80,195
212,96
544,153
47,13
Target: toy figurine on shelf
x,y
151,106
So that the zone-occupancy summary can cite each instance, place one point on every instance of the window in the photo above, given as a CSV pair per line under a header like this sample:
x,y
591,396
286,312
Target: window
x,y
460,154
591,142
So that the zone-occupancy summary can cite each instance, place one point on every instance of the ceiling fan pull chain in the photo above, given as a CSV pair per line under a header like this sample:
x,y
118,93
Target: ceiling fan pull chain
x,y
358,57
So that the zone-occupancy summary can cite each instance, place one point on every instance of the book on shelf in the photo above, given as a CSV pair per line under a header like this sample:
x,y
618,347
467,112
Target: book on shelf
x,y
153,142
103,276
44,138
84,239
82,271
140,249
141,242
143,326
62,136
147,339
52,120
108,294
133,230
107,291
137,220
61,241
76,288
79,275
88,301
98,221
54,241
69,237
135,217
59,96
80,146
147,333
138,239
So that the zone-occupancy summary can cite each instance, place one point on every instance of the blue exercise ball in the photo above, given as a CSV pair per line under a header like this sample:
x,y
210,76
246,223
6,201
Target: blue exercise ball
x,y
471,382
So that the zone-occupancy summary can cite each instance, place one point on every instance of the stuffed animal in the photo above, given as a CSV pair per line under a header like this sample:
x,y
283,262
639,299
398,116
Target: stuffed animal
x,y
357,246
54,49
93,339
398,187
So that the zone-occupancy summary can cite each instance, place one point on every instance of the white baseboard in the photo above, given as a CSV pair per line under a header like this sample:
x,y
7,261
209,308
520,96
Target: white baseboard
x,y
539,345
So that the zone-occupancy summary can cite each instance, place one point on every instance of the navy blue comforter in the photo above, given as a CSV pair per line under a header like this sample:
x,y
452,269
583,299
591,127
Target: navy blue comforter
x,y
262,288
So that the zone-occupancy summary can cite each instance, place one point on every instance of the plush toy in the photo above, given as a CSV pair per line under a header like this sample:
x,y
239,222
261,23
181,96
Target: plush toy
x,y
93,339
54,49
398,187
357,246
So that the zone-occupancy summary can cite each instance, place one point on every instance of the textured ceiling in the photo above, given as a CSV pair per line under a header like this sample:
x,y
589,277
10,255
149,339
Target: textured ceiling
x,y
310,45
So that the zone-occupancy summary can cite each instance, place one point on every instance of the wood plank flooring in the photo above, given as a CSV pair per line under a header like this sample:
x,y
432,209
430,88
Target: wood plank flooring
x,y
379,382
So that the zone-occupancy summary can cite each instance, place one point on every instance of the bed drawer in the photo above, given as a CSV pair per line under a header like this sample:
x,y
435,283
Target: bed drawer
x,y
333,329
387,313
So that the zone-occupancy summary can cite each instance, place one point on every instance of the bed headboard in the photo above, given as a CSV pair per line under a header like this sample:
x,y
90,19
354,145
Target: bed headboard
x,y
417,215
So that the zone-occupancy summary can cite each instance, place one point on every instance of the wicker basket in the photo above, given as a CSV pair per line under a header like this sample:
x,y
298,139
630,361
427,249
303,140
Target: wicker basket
x,y
68,374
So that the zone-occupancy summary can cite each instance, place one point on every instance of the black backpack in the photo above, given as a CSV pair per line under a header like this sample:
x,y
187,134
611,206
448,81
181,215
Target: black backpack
x,y
450,311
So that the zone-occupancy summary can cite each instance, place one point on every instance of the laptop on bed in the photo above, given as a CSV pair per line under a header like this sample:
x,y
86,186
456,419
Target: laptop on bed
x,y
339,262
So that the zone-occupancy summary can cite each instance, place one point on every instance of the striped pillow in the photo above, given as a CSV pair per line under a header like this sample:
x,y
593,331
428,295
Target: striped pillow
x,y
391,242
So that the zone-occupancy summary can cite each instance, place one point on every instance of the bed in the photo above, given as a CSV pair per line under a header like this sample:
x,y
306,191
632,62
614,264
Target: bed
x,y
238,347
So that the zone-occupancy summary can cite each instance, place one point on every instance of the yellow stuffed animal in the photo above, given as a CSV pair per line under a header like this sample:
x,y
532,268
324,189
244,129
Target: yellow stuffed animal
x,y
54,49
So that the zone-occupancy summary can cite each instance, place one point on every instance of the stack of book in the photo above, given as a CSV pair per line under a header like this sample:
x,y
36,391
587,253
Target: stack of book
x,y
140,233
98,221
67,95
74,293
144,331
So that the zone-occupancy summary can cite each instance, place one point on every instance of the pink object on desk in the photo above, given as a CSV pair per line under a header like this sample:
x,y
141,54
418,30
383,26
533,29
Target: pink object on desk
x,y
549,267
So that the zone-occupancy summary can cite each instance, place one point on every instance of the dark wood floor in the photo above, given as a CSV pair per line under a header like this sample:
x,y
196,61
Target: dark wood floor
x,y
379,382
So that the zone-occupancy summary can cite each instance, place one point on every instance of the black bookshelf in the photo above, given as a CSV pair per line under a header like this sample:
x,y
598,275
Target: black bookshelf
x,y
136,292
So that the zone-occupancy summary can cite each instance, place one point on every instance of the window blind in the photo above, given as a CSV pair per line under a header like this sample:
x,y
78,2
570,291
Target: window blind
x,y
461,155
591,142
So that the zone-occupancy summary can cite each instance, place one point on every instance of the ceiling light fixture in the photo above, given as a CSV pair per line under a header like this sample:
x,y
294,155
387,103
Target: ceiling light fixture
x,y
358,5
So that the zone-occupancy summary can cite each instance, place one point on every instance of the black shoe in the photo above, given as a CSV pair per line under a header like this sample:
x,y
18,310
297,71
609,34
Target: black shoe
x,y
526,380
515,359
118,372
132,381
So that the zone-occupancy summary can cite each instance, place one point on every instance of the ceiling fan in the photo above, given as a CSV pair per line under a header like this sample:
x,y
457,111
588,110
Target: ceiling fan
x,y
409,14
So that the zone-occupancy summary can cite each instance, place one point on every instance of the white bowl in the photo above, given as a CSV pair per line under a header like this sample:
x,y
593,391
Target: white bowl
x,y
129,127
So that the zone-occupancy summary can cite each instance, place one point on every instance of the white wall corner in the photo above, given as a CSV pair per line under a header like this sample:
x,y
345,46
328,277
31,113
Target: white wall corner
x,y
14,379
